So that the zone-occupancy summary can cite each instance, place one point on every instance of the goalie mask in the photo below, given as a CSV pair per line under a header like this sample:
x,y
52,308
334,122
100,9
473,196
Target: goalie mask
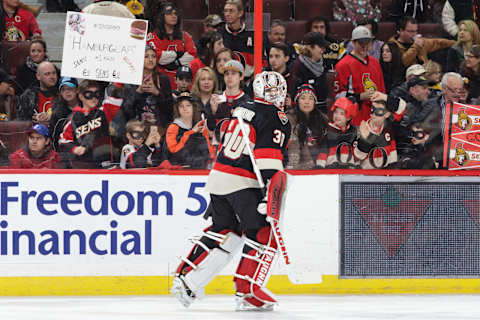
x,y
270,87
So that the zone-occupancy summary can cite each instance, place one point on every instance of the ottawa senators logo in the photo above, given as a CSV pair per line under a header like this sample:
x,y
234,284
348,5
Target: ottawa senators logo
x,y
283,117
464,121
461,156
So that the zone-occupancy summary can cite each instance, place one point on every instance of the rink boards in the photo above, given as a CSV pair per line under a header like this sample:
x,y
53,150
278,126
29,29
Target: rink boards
x,y
112,232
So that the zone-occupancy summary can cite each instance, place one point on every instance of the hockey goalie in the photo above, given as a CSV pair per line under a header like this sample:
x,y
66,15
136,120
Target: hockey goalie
x,y
239,204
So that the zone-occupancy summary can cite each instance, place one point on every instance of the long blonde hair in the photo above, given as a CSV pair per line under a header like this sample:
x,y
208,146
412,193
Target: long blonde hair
x,y
472,28
198,75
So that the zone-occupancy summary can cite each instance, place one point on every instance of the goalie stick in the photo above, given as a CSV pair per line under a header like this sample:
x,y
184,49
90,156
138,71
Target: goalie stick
x,y
273,207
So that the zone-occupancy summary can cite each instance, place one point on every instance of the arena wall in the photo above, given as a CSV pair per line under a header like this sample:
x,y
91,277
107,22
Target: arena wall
x,y
118,232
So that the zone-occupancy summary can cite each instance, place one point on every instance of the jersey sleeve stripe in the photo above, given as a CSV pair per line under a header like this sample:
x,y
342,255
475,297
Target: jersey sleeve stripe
x,y
234,170
268,153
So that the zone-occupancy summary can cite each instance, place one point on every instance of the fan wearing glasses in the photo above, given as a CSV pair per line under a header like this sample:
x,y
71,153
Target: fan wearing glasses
x,y
85,138
376,147
419,152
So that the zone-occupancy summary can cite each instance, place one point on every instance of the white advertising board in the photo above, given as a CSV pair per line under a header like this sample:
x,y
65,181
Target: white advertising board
x,y
139,225
104,48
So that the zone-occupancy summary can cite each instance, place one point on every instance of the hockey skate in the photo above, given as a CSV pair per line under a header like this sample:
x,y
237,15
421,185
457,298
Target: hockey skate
x,y
183,294
244,305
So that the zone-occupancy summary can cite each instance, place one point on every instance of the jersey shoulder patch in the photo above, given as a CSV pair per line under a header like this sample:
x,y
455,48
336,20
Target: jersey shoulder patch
x,y
283,117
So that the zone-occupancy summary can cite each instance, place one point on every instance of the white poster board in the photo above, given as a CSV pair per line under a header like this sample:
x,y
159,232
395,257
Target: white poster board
x,y
104,48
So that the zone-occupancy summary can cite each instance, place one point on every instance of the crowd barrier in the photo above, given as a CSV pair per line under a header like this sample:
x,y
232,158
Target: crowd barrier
x,y
110,232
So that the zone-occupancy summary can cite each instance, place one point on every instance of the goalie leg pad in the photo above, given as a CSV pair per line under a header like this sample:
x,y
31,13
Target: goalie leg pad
x,y
204,262
253,272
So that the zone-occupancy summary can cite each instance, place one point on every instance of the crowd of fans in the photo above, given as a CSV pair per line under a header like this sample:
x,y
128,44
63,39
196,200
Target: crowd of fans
x,y
387,109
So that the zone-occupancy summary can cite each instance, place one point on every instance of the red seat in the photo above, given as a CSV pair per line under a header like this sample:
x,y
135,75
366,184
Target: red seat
x,y
385,30
279,9
13,134
216,6
308,9
192,9
296,30
14,54
340,30
430,30
194,27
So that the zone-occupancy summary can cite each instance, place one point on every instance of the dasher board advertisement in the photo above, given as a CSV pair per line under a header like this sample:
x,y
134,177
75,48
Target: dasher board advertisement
x,y
104,48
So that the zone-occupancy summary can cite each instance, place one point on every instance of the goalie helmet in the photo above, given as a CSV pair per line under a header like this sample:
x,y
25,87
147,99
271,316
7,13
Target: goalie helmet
x,y
270,87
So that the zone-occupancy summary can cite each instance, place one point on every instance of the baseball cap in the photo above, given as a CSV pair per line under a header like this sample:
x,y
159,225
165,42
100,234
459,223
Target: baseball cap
x,y
212,20
415,70
67,81
361,32
315,38
234,65
183,96
305,88
417,81
184,71
5,76
40,129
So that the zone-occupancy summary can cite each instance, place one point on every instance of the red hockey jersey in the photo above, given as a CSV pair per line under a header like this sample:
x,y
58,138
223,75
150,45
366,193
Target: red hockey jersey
x,y
20,26
168,51
353,76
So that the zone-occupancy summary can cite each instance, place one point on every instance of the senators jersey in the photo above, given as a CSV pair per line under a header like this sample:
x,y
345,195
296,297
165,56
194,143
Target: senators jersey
x,y
241,43
379,151
20,26
336,149
268,134
353,76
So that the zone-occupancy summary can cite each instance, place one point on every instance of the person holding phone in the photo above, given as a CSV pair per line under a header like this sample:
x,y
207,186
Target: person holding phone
x,y
187,139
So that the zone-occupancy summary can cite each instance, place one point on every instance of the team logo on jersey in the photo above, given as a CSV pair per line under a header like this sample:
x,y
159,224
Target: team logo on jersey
x,y
172,47
283,117
368,84
464,121
87,127
461,156
14,34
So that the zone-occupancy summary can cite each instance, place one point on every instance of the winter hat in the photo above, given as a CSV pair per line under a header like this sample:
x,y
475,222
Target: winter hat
x,y
305,88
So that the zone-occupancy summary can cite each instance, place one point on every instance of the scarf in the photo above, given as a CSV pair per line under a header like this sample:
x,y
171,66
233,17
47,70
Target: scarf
x,y
315,67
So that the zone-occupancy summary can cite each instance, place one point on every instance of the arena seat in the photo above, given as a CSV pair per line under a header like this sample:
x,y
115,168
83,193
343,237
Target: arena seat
x,y
14,54
13,134
296,30
193,9
194,27
385,30
308,9
430,30
340,30
279,9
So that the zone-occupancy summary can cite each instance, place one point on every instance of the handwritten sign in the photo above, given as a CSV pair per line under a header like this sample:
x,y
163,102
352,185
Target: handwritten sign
x,y
104,48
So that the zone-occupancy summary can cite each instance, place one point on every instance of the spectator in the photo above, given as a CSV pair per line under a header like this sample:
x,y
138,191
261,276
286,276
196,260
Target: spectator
x,y
26,73
222,105
333,51
392,66
355,11
211,23
413,47
376,148
308,130
278,61
417,154
468,35
151,101
376,48
187,138
20,24
168,34
222,56
358,75
204,86
336,150
416,9
63,106
433,73
235,36
455,11
401,91
309,68
62,6
37,154
6,94
85,137
211,42
143,148
183,79
4,156
35,103
277,33
471,70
